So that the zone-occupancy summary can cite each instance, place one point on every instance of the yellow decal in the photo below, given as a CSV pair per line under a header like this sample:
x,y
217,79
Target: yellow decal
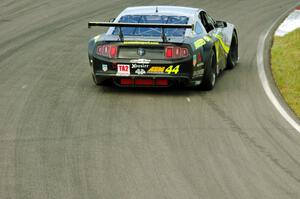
x,y
199,43
207,38
217,50
224,46
218,37
172,69
157,69
140,43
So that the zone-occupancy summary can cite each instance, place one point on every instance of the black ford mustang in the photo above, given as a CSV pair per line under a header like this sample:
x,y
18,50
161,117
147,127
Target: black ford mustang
x,y
156,46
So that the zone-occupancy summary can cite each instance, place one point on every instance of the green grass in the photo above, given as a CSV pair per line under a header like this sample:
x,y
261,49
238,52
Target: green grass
x,y
285,60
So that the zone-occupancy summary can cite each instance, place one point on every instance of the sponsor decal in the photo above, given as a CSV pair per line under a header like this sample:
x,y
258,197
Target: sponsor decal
x,y
172,69
134,66
140,43
157,69
140,71
199,43
104,67
194,60
140,61
198,72
123,70
200,64
162,69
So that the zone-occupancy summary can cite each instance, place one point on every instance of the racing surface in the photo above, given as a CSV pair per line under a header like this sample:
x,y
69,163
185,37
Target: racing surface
x,y
63,137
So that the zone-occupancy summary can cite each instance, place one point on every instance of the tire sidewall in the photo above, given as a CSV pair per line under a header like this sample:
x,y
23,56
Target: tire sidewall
x,y
231,63
209,78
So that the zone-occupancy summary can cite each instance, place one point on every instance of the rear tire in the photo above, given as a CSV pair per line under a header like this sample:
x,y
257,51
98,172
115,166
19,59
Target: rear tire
x,y
210,75
233,56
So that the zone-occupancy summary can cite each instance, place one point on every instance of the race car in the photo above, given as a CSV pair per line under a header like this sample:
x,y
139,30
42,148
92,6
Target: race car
x,y
159,46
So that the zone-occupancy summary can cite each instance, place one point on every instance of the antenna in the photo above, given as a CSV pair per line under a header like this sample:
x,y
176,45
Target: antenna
x,y
156,9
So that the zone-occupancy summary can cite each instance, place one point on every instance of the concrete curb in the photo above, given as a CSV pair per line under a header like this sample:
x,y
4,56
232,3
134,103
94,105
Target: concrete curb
x,y
265,74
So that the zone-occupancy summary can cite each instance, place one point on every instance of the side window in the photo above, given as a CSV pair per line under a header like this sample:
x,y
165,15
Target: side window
x,y
207,22
210,20
198,29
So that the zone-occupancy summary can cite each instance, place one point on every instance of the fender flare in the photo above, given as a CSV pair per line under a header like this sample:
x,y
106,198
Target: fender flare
x,y
229,31
92,44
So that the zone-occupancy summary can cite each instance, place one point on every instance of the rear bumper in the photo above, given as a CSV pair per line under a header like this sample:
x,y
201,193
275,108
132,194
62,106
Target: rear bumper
x,y
181,71
144,80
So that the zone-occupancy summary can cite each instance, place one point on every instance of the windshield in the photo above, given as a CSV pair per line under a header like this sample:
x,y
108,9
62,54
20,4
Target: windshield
x,y
152,32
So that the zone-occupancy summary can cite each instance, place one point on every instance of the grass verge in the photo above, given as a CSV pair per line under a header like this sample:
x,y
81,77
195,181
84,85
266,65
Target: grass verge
x,y
285,61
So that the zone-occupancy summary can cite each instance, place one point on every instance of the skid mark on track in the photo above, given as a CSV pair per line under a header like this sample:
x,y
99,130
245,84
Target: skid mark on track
x,y
16,7
236,128
282,129
24,10
4,20
54,30
9,3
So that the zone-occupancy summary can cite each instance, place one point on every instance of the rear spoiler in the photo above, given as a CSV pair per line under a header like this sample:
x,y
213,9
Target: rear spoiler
x,y
142,25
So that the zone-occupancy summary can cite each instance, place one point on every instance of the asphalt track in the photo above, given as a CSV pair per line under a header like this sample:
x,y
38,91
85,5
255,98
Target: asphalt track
x,y
63,137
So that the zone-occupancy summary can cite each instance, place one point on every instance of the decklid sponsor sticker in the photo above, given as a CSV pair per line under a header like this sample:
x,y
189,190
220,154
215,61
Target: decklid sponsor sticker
x,y
140,61
139,66
140,71
157,69
140,43
123,70
162,69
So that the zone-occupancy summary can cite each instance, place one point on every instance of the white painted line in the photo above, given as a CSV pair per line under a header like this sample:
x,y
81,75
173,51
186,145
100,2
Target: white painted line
x,y
263,76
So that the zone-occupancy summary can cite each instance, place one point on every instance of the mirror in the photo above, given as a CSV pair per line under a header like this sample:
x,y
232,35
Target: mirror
x,y
221,24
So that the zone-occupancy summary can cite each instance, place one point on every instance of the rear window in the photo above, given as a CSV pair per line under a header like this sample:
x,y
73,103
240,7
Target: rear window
x,y
152,32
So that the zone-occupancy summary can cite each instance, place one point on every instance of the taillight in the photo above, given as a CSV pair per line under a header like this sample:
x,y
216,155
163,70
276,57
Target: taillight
x,y
174,52
169,52
199,58
107,51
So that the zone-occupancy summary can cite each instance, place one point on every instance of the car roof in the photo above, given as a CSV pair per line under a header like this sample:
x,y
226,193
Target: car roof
x,y
162,10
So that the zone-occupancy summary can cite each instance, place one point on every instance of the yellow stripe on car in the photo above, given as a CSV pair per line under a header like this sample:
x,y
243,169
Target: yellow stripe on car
x,y
199,43
157,69
217,50
207,38
224,46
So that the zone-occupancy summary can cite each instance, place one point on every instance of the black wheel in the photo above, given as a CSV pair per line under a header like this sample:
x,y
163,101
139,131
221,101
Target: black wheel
x,y
233,55
210,75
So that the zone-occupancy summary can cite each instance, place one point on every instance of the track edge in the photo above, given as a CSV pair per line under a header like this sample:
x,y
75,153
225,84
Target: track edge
x,y
265,74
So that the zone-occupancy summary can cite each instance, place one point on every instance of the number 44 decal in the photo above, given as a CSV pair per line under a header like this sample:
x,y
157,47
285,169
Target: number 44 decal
x,y
172,69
